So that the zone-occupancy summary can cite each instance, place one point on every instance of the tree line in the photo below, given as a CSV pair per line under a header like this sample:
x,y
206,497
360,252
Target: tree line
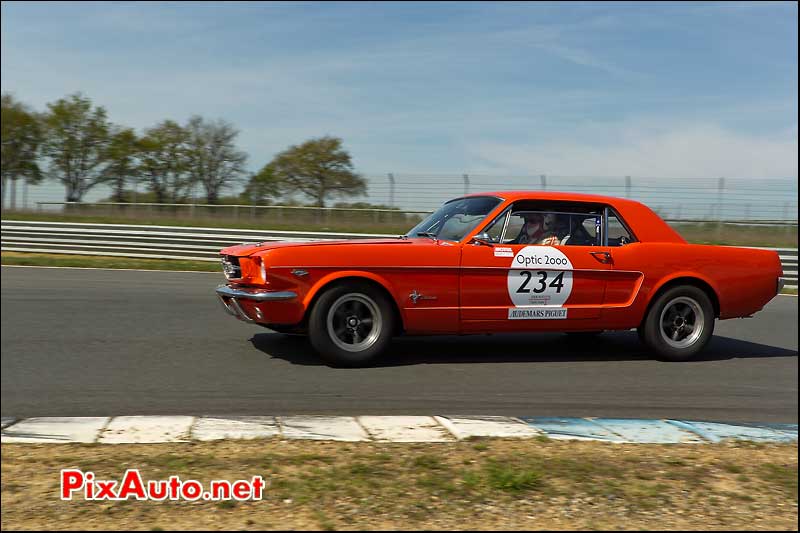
x,y
74,143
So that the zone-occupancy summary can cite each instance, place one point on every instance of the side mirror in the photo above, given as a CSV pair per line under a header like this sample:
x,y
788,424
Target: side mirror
x,y
482,239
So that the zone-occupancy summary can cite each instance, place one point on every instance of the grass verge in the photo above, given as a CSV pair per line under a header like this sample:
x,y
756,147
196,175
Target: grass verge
x,y
95,261
484,484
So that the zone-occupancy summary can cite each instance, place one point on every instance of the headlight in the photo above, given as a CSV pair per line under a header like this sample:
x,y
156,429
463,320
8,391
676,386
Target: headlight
x,y
231,267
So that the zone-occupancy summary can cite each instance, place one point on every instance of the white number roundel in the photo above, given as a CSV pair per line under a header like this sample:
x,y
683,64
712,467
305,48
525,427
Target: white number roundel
x,y
540,275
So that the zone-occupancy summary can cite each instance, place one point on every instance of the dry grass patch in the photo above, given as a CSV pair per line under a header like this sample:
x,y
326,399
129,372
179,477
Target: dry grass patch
x,y
491,484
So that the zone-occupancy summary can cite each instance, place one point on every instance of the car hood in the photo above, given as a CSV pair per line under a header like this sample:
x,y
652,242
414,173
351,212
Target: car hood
x,y
247,249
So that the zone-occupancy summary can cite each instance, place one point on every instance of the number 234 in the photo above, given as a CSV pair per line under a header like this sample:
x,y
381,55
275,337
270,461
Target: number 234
x,y
557,283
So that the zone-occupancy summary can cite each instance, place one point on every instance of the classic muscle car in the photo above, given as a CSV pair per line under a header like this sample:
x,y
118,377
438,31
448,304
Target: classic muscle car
x,y
502,262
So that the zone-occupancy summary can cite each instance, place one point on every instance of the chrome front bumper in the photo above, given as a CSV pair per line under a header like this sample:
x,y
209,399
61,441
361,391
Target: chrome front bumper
x,y
229,297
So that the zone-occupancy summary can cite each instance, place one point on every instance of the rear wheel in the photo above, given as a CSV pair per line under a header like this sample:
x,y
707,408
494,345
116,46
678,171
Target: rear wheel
x,y
351,324
679,324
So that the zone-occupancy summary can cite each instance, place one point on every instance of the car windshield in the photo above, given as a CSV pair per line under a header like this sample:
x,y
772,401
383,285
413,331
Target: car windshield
x,y
456,218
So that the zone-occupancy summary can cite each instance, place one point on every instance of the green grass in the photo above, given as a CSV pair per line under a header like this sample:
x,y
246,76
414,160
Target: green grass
x,y
713,233
781,476
91,261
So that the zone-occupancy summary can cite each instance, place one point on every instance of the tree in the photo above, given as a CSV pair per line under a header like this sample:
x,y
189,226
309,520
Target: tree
x,y
263,187
21,137
76,142
123,149
212,157
319,168
164,161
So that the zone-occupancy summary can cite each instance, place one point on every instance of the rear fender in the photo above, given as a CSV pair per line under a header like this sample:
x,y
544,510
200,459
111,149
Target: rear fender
x,y
688,276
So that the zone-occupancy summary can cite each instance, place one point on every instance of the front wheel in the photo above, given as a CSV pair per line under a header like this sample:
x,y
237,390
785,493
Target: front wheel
x,y
351,324
679,324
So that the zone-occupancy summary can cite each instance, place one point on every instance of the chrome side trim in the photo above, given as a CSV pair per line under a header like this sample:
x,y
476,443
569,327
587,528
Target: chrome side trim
x,y
258,295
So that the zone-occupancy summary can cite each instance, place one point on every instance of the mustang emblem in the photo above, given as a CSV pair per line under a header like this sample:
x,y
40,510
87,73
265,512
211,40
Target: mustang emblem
x,y
419,296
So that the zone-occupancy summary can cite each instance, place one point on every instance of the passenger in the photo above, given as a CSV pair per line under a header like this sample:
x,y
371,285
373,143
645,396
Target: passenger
x,y
538,229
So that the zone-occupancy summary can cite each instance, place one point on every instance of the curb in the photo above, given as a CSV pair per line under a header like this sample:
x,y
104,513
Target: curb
x,y
165,429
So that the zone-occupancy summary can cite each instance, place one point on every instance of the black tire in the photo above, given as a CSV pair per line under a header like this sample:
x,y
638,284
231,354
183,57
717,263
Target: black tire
x,y
351,324
680,323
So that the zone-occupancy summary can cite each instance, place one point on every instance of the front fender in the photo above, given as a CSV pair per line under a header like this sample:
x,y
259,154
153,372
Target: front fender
x,y
353,274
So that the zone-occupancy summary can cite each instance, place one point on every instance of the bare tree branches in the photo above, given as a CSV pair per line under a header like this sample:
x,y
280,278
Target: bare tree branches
x,y
212,157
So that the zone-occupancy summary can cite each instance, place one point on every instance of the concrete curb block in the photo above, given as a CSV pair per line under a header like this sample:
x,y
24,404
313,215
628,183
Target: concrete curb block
x,y
162,429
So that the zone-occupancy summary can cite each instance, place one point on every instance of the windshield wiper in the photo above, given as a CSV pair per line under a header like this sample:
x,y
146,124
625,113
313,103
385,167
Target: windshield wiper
x,y
427,234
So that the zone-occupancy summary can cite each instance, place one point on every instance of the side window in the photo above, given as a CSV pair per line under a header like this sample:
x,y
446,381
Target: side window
x,y
515,223
548,224
536,227
618,234
494,232
584,230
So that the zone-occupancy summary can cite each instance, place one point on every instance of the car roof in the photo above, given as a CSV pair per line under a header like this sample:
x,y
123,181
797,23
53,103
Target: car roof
x,y
551,195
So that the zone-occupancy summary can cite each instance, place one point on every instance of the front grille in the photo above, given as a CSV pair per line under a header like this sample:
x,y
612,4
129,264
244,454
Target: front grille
x,y
231,267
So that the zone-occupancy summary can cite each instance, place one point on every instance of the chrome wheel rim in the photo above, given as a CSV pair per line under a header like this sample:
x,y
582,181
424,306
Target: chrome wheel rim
x,y
682,322
354,322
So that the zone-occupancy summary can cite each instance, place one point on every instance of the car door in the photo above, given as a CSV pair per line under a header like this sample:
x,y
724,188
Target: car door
x,y
510,286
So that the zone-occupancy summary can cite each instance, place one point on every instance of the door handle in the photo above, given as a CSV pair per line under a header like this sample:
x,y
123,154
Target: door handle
x,y
603,257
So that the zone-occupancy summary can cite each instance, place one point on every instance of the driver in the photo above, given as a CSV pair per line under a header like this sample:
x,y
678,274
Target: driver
x,y
538,229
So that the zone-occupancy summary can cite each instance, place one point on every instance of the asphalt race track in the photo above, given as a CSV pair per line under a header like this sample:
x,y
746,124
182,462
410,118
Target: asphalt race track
x,y
95,342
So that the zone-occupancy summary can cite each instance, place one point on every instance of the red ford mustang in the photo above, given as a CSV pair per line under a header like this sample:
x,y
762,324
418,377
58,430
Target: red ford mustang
x,y
502,262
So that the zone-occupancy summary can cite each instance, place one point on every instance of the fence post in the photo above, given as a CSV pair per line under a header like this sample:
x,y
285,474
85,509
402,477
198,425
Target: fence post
x,y
194,201
391,189
786,223
466,184
25,194
543,180
627,186
720,189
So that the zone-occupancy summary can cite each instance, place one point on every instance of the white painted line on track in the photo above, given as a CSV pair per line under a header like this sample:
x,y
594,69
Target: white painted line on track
x,y
405,428
235,427
149,429
341,428
487,426
54,429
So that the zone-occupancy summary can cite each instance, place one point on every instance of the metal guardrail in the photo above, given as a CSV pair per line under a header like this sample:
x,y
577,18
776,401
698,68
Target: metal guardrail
x,y
144,241
177,242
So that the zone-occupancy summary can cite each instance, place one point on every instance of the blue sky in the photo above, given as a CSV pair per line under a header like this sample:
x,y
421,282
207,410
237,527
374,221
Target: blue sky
x,y
590,89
